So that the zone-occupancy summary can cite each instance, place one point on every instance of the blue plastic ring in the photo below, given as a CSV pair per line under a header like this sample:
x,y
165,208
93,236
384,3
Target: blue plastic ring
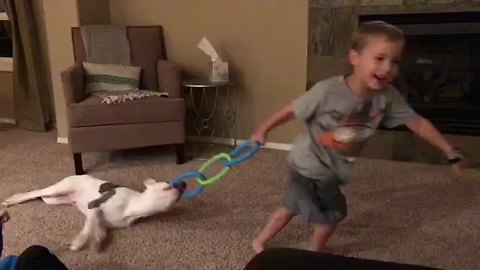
x,y
188,175
237,160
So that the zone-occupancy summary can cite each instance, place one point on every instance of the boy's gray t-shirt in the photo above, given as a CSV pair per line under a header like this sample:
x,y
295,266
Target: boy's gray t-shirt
x,y
331,104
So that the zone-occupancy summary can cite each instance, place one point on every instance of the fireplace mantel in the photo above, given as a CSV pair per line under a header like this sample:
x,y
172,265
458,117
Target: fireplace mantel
x,y
332,21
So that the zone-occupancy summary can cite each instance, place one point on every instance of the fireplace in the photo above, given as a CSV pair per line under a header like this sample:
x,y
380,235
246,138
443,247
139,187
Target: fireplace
x,y
440,70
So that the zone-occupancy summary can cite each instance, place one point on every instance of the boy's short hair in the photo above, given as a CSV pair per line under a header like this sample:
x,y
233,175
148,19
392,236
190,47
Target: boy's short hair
x,y
375,28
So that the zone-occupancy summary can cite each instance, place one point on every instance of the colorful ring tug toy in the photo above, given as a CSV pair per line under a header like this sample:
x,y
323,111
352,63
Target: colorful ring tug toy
x,y
189,175
229,160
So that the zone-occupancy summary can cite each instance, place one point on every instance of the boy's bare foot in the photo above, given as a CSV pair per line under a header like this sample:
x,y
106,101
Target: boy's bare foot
x,y
258,246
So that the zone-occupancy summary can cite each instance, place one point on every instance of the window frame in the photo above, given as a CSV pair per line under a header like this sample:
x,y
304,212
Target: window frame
x,y
6,63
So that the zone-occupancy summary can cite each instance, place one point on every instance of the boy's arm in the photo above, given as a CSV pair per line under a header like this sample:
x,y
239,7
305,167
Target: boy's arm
x,y
399,112
425,130
280,117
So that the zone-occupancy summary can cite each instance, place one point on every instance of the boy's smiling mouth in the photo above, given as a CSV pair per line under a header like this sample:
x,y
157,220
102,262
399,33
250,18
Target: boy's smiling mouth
x,y
381,78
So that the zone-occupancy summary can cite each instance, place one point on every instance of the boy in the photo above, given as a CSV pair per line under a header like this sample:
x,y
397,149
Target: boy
x,y
341,113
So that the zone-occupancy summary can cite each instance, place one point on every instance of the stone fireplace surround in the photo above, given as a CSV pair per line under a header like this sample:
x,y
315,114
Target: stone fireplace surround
x,y
330,25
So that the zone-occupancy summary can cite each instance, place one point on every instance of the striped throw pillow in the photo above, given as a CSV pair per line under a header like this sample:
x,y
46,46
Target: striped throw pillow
x,y
106,77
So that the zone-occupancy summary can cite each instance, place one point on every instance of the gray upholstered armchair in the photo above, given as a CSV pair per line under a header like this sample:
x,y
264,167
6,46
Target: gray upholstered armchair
x,y
93,126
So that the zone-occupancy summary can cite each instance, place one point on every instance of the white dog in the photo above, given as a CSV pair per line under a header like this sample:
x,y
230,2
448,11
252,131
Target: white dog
x,y
104,204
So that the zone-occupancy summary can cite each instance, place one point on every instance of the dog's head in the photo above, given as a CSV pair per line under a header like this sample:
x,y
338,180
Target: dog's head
x,y
164,193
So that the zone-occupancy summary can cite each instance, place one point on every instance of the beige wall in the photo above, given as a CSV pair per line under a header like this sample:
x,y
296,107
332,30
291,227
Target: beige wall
x,y
93,11
6,95
60,16
265,43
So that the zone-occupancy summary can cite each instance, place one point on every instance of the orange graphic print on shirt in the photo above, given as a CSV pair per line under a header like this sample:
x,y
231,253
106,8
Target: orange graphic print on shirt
x,y
354,130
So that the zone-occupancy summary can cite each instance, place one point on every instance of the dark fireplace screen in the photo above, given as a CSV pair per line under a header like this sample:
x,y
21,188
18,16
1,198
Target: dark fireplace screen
x,y
440,69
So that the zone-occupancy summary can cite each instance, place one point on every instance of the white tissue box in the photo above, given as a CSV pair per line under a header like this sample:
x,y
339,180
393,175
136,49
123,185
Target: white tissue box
x,y
218,71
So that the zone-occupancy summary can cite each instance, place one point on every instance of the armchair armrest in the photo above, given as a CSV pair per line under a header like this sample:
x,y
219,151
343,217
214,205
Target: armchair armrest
x,y
73,83
169,78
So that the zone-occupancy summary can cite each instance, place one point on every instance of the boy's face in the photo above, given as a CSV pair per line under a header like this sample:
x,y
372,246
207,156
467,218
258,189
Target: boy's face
x,y
377,63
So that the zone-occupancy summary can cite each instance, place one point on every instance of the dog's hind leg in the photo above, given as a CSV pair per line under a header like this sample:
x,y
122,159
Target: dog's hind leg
x,y
58,200
88,231
99,232
61,188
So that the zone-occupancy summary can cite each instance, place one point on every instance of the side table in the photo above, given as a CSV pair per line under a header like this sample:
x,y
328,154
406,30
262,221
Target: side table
x,y
214,108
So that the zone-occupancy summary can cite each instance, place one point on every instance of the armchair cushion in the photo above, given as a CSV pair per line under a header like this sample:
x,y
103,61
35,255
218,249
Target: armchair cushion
x,y
107,77
91,111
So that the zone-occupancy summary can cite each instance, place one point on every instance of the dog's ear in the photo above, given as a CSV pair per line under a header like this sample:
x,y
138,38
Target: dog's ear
x,y
149,182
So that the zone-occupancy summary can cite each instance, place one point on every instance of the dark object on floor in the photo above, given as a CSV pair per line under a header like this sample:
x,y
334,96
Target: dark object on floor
x,y
38,258
287,258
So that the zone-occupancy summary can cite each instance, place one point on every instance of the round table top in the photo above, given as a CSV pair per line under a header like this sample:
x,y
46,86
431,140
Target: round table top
x,y
200,83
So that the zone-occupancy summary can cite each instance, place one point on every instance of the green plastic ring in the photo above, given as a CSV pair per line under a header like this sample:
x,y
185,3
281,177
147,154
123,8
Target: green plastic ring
x,y
213,179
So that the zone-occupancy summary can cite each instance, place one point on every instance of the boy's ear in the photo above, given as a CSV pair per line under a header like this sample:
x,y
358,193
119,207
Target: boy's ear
x,y
353,56
149,182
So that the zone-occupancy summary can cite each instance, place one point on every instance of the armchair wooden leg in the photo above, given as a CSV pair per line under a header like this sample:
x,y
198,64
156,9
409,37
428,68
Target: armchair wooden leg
x,y
77,161
180,148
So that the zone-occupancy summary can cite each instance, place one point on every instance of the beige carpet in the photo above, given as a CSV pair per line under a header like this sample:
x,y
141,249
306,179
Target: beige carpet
x,y
403,212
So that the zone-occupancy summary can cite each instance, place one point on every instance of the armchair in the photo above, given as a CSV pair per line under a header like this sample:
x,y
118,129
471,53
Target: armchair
x,y
93,126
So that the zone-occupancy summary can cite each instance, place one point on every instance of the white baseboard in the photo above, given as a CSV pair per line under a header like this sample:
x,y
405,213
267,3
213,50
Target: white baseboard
x,y
279,146
8,121
63,140
6,63
229,141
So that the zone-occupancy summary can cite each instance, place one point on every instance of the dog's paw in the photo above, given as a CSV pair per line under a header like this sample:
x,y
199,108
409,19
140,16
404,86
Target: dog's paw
x,y
78,242
4,216
12,200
